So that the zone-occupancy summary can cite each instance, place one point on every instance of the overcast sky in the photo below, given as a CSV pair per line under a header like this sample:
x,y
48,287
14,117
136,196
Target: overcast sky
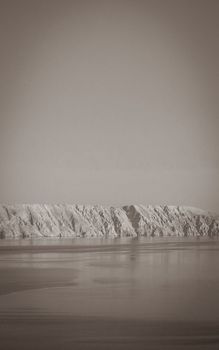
x,y
109,102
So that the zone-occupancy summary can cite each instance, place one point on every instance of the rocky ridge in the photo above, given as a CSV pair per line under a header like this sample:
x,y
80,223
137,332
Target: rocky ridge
x,y
65,220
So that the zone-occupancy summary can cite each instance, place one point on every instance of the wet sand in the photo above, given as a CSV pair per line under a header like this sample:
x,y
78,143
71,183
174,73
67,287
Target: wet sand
x,y
123,294
59,332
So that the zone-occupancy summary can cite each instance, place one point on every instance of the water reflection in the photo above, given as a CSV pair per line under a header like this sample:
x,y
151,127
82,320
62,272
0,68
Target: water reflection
x,y
162,280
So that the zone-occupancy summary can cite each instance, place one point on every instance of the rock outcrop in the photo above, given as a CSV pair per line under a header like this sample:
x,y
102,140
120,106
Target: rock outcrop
x,y
63,220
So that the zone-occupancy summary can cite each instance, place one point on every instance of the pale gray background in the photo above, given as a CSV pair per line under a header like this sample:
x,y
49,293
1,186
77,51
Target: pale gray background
x,y
110,102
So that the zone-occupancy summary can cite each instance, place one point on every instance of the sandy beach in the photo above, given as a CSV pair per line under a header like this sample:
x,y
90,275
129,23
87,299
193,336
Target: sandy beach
x,y
123,294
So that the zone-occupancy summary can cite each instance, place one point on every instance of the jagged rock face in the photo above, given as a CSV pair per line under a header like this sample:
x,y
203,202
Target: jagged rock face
x,y
32,221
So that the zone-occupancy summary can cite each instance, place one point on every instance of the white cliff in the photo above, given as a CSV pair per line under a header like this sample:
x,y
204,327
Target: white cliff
x,y
64,220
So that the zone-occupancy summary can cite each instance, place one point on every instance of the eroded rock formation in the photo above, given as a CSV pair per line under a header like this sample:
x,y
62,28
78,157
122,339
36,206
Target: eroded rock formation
x,y
63,220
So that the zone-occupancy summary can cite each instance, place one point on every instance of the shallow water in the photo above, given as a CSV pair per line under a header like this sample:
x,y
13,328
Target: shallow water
x,y
109,294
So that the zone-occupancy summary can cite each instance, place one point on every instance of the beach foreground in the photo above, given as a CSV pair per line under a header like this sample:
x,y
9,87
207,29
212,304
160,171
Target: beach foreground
x,y
109,294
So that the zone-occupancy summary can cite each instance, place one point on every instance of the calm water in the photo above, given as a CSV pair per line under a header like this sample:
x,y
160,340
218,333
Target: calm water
x,y
109,294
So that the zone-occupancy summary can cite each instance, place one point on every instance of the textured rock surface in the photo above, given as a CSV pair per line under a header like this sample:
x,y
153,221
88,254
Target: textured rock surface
x,y
23,221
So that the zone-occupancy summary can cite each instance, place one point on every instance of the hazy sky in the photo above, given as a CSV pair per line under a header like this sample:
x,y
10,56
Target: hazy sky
x,y
110,102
